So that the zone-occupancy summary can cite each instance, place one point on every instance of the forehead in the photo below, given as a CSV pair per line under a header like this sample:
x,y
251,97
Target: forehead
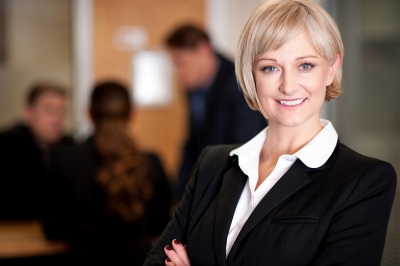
x,y
298,46
181,53
50,97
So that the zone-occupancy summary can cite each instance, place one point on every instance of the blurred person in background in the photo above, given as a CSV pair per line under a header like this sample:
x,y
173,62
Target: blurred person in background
x,y
110,200
26,151
218,111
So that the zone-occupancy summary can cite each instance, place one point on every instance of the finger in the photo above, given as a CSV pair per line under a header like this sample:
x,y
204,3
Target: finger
x,y
173,257
168,262
181,251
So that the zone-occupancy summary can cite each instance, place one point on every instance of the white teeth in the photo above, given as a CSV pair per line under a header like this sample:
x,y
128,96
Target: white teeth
x,y
292,102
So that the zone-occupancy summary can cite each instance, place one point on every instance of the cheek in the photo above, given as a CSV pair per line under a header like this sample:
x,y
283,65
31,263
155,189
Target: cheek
x,y
316,84
265,87
180,71
321,89
317,94
187,71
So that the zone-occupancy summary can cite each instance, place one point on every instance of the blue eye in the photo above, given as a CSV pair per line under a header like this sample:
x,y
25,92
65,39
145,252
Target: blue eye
x,y
269,69
306,66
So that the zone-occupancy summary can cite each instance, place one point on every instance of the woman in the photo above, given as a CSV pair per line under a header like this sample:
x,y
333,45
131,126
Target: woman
x,y
293,195
109,199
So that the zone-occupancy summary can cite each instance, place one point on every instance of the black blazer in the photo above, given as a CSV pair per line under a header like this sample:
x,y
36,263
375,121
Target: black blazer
x,y
334,215
228,120
76,208
24,168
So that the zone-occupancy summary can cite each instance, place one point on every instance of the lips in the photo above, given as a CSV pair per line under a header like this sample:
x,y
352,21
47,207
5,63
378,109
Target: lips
x,y
291,102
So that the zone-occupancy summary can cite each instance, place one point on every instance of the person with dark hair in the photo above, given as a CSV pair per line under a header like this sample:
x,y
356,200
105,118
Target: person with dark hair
x,y
109,198
218,111
26,151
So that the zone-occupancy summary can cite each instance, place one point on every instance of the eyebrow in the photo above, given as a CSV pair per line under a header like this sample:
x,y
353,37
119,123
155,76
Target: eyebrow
x,y
307,56
297,58
268,59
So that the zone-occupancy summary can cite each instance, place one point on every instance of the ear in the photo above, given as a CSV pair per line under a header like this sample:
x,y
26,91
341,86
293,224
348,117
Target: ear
x,y
89,116
27,114
332,70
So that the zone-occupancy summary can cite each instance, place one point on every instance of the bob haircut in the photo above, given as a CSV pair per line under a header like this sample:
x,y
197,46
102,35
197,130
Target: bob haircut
x,y
274,23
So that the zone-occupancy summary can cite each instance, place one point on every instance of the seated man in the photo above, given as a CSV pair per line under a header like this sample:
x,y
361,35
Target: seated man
x,y
218,111
26,151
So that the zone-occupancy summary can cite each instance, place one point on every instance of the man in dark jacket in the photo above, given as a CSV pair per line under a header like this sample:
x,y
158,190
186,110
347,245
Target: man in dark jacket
x,y
26,151
218,111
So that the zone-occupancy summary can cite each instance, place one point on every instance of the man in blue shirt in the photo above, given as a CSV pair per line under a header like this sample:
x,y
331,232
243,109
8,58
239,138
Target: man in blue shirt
x,y
218,111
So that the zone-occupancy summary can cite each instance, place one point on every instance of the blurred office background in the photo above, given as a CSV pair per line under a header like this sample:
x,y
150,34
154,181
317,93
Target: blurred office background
x,y
367,116
78,42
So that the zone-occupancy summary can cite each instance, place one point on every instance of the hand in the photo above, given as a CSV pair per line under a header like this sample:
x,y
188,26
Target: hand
x,y
177,254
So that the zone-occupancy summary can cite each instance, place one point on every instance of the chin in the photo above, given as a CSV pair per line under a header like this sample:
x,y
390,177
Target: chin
x,y
296,120
291,122
53,139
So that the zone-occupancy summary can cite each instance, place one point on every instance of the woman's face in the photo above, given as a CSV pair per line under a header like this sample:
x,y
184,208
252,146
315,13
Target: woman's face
x,y
291,82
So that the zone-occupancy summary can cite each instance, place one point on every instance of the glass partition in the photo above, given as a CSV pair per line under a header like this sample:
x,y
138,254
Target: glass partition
x,y
367,115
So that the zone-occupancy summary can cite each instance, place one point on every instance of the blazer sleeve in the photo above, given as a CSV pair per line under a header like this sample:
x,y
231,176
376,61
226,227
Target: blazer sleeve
x,y
356,234
177,227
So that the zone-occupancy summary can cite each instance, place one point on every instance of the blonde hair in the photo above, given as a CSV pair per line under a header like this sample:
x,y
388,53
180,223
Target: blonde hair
x,y
274,23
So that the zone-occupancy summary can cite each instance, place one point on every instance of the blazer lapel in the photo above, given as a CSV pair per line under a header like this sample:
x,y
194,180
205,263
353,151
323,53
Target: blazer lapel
x,y
296,178
232,186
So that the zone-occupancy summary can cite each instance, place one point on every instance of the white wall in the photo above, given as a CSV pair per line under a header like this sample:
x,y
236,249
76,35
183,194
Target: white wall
x,y
38,47
82,39
225,20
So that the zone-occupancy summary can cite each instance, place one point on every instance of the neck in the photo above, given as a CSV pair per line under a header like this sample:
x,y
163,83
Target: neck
x,y
42,145
288,140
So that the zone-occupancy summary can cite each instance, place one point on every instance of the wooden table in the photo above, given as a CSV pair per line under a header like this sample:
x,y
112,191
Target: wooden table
x,y
26,239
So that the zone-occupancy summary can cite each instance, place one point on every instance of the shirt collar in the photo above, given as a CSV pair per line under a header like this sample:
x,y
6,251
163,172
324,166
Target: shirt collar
x,y
249,153
314,154
318,150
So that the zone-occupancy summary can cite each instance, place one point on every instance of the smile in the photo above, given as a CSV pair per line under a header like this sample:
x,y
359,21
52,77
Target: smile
x,y
291,103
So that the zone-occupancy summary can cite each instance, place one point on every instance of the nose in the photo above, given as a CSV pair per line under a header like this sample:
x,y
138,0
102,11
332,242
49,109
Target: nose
x,y
288,82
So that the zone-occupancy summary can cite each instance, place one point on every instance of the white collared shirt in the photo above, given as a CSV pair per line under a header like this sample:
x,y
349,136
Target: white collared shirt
x,y
314,154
